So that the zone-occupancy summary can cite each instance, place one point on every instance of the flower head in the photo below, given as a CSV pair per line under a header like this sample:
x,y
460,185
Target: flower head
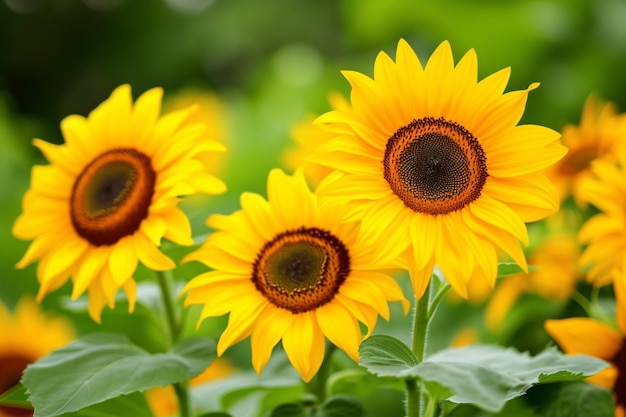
x,y
288,268
591,337
600,131
436,161
605,233
110,195
26,335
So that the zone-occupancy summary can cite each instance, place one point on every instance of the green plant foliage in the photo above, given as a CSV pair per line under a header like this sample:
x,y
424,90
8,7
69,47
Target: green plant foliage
x,y
386,356
102,366
16,397
245,394
339,406
484,375
577,399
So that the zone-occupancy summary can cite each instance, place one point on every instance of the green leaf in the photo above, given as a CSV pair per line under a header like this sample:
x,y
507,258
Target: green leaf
x,y
385,355
488,376
341,407
289,410
99,367
216,414
133,405
511,268
573,399
16,396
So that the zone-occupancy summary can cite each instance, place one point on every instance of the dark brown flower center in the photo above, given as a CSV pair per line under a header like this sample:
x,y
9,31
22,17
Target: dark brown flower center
x,y
619,360
435,166
112,195
11,367
301,270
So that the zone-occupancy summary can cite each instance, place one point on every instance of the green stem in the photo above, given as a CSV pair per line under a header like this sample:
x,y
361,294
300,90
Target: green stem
x,y
168,302
420,330
317,386
181,388
420,325
413,397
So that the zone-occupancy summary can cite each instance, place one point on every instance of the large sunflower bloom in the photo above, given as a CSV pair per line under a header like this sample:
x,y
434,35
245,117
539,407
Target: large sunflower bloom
x,y
591,337
110,195
436,161
26,335
605,233
596,136
289,269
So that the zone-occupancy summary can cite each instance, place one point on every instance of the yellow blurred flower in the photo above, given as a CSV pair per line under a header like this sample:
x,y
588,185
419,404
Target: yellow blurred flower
x,y
206,108
600,130
307,137
26,335
605,233
556,258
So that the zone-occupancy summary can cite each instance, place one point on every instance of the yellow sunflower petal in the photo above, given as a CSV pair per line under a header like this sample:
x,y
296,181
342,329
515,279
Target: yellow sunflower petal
x,y
340,327
123,260
178,227
585,335
149,255
239,327
90,269
269,329
304,345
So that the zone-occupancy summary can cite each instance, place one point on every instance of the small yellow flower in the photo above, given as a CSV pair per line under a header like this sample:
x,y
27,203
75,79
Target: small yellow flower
x,y
605,233
600,131
290,269
25,336
205,107
307,137
556,259
110,195
598,339
438,164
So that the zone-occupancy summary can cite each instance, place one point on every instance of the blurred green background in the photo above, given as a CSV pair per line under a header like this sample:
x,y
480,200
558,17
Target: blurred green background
x,y
271,63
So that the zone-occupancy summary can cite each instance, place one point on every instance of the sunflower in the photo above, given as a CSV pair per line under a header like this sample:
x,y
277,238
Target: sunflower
x,y
18,332
605,233
437,163
110,195
288,268
591,337
599,131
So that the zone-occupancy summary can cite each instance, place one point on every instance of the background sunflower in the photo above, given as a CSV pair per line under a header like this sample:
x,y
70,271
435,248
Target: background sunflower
x,y
27,334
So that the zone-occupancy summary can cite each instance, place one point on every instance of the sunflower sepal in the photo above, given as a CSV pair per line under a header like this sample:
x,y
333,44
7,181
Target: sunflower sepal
x,y
451,374
79,375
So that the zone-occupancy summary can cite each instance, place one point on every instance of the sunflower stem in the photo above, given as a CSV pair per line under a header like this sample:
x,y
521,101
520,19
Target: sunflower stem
x,y
168,302
317,386
181,388
413,397
415,392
